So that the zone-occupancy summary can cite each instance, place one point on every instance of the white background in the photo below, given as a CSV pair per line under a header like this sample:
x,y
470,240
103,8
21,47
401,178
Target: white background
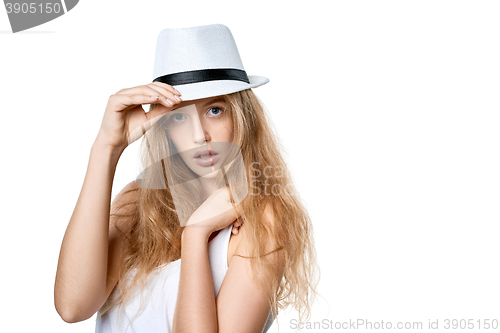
x,y
388,110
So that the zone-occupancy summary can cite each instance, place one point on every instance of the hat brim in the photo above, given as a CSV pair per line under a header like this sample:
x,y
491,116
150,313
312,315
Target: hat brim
x,y
214,88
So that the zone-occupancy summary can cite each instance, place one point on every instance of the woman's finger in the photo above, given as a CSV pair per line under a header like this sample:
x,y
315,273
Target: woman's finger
x,y
124,102
140,88
163,90
153,116
236,226
165,97
166,91
235,230
166,86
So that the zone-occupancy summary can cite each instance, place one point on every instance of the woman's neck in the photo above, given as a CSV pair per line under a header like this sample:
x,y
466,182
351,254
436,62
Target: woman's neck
x,y
208,185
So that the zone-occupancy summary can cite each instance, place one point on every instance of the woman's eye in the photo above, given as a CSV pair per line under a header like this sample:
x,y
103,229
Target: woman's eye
x,y
176,117
217,111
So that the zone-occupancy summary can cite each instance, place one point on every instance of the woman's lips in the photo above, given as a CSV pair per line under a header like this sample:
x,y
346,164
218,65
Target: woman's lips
x,y
204,152
209,159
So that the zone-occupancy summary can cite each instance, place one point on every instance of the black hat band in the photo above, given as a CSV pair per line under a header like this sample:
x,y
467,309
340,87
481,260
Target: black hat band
x,y
203,75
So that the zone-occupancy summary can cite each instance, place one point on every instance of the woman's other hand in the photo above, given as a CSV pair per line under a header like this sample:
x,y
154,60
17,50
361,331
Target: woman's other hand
x,y
216,213
125,121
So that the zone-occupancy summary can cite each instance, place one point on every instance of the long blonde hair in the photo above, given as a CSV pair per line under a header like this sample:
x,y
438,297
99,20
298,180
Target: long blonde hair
x,y
154,238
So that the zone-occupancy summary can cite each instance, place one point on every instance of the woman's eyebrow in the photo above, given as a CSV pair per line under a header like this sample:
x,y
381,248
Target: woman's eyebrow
x,y
213,101
216,100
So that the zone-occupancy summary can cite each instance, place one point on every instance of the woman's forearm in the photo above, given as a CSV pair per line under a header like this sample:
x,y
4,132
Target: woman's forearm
x,y
196,308
82,268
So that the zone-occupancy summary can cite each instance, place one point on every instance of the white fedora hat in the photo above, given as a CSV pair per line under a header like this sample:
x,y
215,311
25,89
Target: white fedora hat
x,y
201,62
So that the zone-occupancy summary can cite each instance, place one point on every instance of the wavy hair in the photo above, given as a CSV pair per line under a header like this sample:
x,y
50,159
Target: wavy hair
x,y
153,237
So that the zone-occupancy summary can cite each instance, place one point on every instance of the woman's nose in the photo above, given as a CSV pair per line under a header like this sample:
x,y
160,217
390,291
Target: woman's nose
x,y
199,133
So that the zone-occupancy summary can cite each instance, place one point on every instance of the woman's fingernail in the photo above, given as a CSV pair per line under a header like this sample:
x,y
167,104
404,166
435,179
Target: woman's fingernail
x,y
170,101
178,93
178,98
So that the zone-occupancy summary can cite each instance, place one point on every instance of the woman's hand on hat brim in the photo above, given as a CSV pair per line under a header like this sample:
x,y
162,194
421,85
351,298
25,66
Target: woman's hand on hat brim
x,y
125,120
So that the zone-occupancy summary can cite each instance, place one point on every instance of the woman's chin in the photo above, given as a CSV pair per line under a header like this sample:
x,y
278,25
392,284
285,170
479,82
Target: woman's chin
x,y
210,175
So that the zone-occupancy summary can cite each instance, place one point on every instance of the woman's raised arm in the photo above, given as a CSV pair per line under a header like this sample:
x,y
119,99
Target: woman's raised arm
x,y
83,281
80,285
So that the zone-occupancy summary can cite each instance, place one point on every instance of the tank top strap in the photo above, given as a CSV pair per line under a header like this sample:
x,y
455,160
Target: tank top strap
x,y
217,254
218,263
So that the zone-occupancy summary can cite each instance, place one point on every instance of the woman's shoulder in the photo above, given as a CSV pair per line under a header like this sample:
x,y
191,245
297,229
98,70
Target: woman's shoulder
x,y
241,244
244,246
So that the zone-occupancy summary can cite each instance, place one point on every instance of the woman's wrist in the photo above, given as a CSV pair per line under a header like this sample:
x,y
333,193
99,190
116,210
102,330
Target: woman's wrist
x,y
100,145
194,233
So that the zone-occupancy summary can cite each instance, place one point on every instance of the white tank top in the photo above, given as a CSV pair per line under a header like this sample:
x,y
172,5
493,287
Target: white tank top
x,y
160,294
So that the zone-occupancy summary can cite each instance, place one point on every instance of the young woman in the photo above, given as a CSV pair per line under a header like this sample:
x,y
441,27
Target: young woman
x,y
215,194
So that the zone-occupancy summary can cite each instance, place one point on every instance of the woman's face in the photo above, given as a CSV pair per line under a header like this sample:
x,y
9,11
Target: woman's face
x,y
200,127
